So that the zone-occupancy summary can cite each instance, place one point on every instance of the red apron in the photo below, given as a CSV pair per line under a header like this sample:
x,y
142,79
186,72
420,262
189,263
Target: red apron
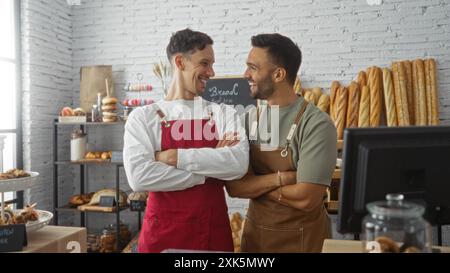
x,y
195,218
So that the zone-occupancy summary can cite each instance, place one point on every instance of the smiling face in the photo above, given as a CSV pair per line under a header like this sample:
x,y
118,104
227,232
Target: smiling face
x,y
259,73
198,68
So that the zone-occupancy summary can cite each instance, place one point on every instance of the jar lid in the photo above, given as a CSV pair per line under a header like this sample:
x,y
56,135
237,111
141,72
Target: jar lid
x,y
394,206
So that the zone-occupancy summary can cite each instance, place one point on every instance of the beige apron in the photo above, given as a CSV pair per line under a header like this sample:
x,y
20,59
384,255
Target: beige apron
x,y
273,227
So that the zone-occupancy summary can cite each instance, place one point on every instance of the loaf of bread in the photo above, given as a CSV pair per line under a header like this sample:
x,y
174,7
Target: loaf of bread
x,y
432,93
333,92
420,97
364,108
317,91
324,103
389,98
108,192
353,105
297,85
409,90
375,96
341,111
401,98
310,97
362,78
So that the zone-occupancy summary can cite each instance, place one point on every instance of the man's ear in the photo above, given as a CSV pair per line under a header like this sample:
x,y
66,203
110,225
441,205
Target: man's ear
x,y
179,62
279,75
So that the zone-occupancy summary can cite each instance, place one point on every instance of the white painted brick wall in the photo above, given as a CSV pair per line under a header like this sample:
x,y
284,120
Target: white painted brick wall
x,y
337,38
46,32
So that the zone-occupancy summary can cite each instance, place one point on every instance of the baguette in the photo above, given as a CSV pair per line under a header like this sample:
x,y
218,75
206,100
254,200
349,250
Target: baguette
x,y
409,91
364,108
341,111
310,97
375,96
317,93
333,92
428,91
362,78
401,100
389,98
324,103
353,105
433,92
297,85
420,97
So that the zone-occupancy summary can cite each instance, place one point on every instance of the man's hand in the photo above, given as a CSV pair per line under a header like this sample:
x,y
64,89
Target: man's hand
x,y
170,157
288,178
228,140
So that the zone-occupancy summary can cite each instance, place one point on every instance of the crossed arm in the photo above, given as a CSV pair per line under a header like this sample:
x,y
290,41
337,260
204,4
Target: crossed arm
x,y
284,189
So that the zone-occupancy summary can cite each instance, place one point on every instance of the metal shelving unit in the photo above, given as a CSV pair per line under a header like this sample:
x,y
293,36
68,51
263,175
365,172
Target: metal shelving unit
x,y
82,168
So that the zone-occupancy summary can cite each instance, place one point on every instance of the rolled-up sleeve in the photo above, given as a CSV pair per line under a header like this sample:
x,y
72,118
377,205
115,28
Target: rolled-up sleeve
x,y
142,171
227,163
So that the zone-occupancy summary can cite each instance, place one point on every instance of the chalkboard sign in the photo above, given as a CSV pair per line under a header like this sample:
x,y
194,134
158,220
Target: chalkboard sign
x,y
12,237
231,90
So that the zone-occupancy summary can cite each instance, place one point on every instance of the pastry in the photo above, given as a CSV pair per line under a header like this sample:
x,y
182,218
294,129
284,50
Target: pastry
x,y
364,108
109,100
353,105
324,103
401,100
79,112
341,111
310,97
420,99
317,91
66,111
137,196
434,105
375,96
389,98
76,200
333,92
362,78
387,245
109,107
409,90
108,192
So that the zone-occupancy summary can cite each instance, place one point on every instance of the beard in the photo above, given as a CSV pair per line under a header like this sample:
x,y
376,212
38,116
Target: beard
x,y
263,90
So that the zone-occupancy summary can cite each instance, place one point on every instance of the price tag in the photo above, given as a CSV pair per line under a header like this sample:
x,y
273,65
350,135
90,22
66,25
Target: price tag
x,y
12,237
107,201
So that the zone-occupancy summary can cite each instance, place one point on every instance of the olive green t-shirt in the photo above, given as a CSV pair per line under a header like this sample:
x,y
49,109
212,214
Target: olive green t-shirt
x,y
313,144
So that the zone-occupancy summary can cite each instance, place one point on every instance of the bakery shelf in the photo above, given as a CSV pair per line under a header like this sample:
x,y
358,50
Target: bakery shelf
x,y
68,208
83,178
88,163
89,123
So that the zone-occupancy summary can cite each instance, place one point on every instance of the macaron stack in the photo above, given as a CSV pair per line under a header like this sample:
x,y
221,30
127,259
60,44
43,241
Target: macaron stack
x,y
109,108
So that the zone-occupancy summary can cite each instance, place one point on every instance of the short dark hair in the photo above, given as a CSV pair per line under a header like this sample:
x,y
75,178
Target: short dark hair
x,y
283,51
187,41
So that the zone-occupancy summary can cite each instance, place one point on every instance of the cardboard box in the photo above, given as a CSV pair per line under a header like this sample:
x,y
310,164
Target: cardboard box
x,y
57,239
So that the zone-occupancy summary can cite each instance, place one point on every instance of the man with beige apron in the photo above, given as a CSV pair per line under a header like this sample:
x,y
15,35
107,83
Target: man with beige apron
x,y
288,174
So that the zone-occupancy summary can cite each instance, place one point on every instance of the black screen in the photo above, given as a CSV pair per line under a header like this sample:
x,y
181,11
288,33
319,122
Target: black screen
x,y
414,161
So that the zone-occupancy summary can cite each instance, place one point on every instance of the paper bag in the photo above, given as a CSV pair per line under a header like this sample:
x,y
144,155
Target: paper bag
x,y
92,81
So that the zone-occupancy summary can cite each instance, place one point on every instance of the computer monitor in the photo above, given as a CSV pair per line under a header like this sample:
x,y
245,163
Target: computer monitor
x,y
414,161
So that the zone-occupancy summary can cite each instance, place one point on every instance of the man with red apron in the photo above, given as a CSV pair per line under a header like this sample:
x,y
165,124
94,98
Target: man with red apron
x,y
176,149
289,171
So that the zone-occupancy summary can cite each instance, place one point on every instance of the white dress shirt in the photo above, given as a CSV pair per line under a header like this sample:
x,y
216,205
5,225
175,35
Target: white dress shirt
x,y
142,139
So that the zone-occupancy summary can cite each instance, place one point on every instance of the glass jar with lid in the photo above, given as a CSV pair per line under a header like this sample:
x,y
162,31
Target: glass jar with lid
x,y
124,233
108,240
395,226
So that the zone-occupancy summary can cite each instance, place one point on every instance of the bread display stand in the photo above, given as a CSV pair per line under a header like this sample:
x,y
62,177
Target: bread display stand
x,y
83,165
